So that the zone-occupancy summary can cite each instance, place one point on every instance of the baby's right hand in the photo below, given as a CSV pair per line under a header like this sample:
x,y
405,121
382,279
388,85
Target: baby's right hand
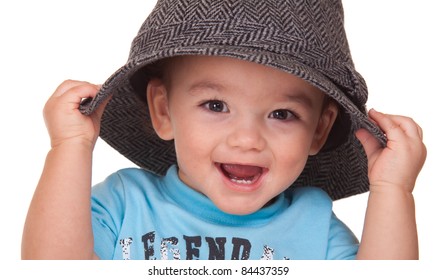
x,y
65,123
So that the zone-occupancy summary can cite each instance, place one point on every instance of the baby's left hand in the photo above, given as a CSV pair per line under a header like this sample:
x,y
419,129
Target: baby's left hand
x,y
398,164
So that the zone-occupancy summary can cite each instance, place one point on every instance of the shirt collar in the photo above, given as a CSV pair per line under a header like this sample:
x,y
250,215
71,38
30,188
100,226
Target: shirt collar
x,y
202,207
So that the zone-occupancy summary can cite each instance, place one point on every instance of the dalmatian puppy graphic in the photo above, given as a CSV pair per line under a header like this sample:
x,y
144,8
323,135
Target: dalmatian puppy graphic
x,y
164,250
125,245
268,253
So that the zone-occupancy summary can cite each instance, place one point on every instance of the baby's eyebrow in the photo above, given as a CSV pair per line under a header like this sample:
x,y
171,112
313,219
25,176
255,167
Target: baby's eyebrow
x,y
207,85
299,98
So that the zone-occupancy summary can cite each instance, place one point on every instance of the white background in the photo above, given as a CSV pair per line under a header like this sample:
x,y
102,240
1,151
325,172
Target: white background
x,y
45,42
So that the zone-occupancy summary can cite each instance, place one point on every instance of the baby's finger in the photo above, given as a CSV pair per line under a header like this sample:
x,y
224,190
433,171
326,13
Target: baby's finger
x,y
408,125
80,92
391,124
67,85
420,132
370,144
69,101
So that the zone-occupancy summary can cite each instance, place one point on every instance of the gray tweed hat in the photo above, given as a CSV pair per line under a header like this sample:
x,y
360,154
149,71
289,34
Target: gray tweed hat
x,y
303,37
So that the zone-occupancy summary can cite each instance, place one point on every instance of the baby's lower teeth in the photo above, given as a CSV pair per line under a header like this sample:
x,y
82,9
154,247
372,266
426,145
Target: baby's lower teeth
x,y
241,181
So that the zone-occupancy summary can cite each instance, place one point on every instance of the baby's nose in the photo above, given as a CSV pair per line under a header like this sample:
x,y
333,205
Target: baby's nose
x,y
247,134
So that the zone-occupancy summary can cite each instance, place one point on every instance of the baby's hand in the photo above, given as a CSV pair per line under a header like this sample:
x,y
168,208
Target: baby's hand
x,y
399,163
65,123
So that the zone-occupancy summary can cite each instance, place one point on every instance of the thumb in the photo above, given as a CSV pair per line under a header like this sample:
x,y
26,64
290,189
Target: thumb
x,y
370,144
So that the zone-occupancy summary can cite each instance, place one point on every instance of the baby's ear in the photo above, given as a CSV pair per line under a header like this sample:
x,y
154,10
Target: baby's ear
x,y
157,99
326,121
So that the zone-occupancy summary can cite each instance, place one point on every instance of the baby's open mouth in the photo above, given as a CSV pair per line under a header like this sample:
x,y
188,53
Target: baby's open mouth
x,y
242,174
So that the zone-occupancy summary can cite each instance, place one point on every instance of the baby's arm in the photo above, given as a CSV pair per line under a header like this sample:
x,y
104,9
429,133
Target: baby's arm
x,y
390,227
58,223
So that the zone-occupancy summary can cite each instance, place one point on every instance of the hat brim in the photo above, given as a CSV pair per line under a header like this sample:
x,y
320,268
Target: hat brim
x,y
341,171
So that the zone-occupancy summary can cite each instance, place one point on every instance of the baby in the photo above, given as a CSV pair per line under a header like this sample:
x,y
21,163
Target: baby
x,y
246,118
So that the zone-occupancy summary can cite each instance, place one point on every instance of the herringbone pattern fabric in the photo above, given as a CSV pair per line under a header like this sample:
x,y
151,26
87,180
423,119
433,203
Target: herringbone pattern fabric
x,y
303,37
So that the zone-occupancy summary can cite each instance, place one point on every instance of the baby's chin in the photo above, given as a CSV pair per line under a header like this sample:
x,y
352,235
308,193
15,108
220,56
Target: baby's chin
x,y
242,208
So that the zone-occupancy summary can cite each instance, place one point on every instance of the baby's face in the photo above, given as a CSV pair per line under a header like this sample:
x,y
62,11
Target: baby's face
x,y
242,131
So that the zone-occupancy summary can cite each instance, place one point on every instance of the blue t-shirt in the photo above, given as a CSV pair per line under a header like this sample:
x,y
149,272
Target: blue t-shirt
x,y
138,215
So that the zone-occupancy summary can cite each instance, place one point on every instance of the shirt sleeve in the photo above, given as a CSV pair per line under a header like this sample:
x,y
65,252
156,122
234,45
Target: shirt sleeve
x,y
342,244
107,207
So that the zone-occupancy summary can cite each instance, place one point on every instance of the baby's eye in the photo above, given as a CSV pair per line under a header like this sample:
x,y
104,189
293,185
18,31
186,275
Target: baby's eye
x,y
216,106
282,114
